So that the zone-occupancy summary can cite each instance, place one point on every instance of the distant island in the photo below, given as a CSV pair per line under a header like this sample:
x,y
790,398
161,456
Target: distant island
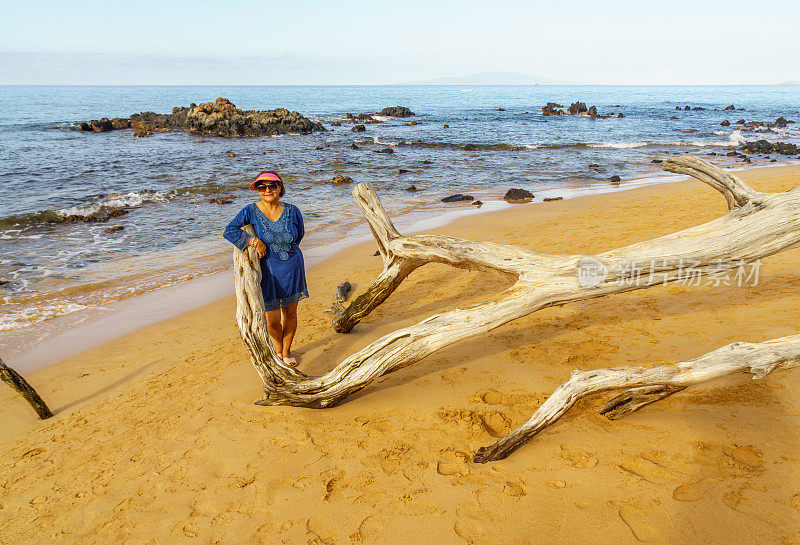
x,y
493,78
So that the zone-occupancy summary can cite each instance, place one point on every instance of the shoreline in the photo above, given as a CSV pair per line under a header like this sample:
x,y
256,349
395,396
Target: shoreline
x,y
156,437
79,332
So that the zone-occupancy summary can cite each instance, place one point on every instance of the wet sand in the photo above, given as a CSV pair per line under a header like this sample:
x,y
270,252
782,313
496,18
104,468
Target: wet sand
x,y
156,440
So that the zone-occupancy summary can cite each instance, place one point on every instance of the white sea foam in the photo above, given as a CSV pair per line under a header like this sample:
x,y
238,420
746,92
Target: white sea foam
x,y
381,117
376,140
28,316
125,200
619,145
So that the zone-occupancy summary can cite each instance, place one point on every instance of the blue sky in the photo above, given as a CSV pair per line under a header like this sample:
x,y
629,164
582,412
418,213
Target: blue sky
x,y
315,42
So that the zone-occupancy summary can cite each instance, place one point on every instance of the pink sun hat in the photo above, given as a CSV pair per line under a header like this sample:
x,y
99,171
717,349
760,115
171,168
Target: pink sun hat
x,y
266,176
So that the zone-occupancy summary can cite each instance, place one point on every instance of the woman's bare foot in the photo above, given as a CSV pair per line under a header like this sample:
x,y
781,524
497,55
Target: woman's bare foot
x,y
291,361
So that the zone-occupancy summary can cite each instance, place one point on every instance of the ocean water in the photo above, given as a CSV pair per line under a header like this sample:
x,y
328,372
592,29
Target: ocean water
x,y
496,139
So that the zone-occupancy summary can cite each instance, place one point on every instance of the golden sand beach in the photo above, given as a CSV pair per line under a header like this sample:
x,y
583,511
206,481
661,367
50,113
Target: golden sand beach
x,y
156,439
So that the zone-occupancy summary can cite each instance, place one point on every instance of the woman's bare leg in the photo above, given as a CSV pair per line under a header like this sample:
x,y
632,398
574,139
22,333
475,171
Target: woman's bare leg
x,y
275,329
289,328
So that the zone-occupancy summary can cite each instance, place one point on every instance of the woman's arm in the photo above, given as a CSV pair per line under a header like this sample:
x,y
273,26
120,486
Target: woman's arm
x,y
301,229
233,232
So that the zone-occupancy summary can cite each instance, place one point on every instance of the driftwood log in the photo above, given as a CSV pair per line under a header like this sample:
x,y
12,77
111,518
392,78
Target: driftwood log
x,y
646,385
21,386
757,225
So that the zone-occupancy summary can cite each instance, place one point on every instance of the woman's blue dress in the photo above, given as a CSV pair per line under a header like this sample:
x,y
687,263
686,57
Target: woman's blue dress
x,y
283,277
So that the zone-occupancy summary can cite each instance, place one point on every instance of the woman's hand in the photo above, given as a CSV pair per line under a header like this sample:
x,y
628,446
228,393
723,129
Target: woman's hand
x,y
261,248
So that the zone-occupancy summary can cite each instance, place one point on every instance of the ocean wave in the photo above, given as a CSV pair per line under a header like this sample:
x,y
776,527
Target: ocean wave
x,y
734,140
376,140
28,316
621,145
100,209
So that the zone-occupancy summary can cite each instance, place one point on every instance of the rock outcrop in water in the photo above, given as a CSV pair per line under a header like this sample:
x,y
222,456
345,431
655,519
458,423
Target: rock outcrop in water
x,y
394,111
552,108
516,195
576,108
764,146
218,118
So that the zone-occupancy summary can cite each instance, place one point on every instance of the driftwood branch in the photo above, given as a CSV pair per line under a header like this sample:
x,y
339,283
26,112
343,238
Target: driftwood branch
x,y
758,225
21,386
648,385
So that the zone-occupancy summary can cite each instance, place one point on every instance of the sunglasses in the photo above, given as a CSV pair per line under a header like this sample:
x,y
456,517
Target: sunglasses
x,y
272,186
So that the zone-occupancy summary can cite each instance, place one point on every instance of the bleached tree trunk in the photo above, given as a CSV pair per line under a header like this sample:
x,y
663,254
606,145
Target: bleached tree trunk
x,y
758,225
645,385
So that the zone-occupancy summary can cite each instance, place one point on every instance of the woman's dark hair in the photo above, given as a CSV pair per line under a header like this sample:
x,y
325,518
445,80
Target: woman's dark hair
x,y
283,189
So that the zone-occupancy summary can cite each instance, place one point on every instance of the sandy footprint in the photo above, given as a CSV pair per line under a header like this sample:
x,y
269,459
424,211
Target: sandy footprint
x,y
473,523
637,518
576,458
737,501
452,462
746,456
320,532
692,491
649,469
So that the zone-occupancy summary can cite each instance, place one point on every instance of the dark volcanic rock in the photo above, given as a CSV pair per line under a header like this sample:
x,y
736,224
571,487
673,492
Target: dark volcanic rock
x,y
592,111
725,123
114,229
501,109
396,111
358,128
218,118
412,188
401,171
551,108
91,218
656,161
731,107
458,197
119,123
142,134
764,146
740,122
615,179
477,203
548,199
518,195
221,200
341,179
577,108
353,146
97,125
385,150
336,124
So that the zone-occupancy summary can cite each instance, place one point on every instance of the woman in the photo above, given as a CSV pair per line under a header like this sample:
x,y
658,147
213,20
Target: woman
x,y
279,230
